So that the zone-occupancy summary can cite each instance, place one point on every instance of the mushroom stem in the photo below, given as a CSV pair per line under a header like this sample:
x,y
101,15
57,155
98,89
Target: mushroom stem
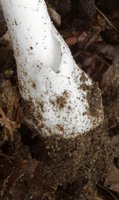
x,y
31,31
61,104
59,95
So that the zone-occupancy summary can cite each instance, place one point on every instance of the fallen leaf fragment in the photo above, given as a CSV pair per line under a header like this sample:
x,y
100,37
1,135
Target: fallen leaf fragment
x,y
112,181
9,125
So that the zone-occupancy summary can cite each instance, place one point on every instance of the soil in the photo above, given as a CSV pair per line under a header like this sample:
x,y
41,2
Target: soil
x,y
37,168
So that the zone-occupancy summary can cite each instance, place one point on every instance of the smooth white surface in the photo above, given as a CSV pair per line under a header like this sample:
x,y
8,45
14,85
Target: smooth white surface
x,y
47,72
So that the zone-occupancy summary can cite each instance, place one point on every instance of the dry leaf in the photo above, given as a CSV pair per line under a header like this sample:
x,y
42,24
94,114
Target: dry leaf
x,y
112,180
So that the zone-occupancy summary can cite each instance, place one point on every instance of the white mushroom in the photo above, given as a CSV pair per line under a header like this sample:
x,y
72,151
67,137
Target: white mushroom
x,y
59,92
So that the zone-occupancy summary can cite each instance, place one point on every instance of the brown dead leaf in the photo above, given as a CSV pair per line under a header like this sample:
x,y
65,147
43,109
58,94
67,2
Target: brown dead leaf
x,y
109,51
10,110
9,125
112,180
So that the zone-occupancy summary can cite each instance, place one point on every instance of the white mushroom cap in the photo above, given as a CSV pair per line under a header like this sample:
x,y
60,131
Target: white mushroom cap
x,y
49,78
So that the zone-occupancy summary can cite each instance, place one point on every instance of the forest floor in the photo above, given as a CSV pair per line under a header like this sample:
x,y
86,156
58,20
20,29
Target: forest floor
x,y
94,43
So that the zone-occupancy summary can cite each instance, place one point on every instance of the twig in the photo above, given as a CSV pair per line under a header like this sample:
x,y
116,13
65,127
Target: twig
x,y
107,20
104,188
102,60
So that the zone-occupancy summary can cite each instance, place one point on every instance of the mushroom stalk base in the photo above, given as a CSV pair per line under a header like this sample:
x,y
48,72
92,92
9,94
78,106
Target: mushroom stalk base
x,y
70,168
